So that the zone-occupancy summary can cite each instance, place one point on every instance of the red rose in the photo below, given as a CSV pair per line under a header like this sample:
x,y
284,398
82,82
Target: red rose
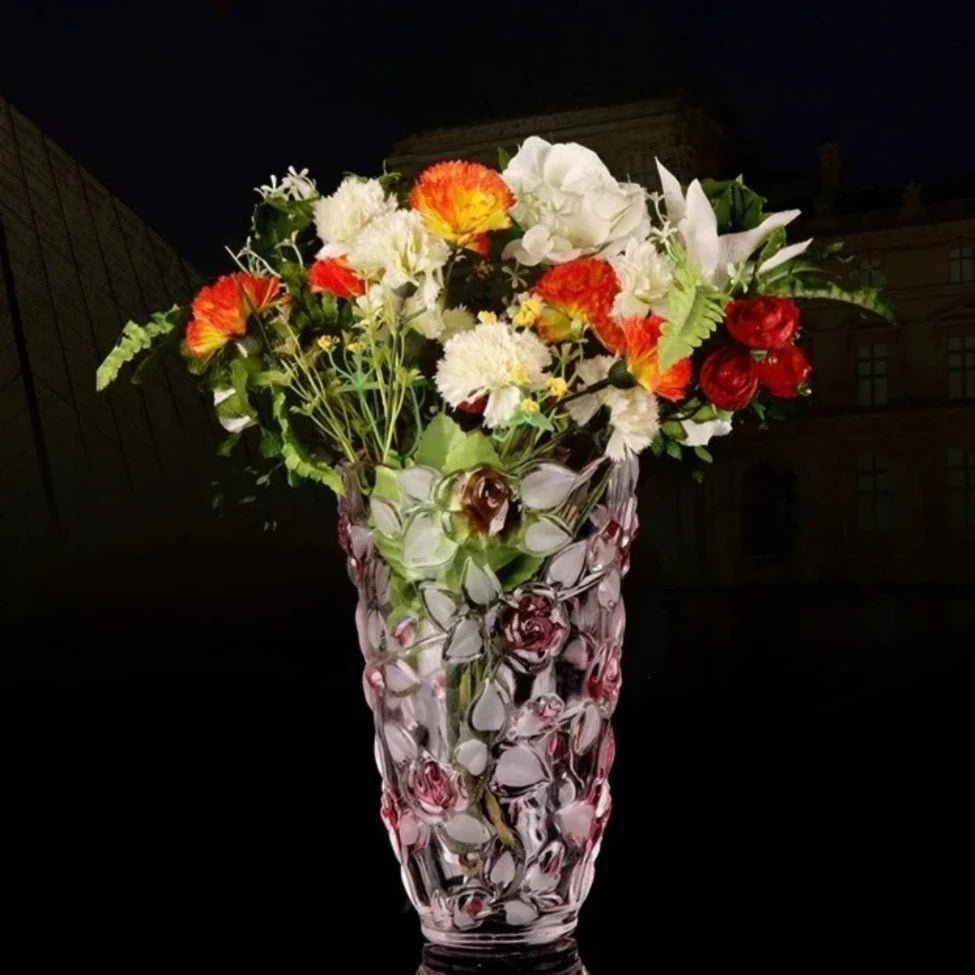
x,y
762,323
533,625
729,378
783,371
485,500
433,786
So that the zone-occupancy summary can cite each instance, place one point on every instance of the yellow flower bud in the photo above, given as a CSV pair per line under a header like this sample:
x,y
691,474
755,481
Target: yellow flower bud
x,y
529,406
486,316
326,342
518,375
556,386
355,346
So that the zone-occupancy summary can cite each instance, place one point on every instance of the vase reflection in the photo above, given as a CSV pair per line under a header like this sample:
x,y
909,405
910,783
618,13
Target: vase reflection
x,y
559,958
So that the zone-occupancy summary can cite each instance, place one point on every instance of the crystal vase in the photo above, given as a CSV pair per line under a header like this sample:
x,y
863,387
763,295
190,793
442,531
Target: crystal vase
x,y
492,688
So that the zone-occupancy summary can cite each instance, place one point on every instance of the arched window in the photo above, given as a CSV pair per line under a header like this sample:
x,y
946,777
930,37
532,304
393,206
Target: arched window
x,y
769,514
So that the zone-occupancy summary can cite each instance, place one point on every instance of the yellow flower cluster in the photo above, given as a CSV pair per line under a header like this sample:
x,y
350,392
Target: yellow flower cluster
x,y
529,406
528,313
556,386
486,317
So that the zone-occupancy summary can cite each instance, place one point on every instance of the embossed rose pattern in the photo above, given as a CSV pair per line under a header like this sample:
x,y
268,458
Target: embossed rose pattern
x,y
493,729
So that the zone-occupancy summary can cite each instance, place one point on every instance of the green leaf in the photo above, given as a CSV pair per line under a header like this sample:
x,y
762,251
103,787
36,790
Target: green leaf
x,y
136,339
270,443
504,157
673,429
227,445
445,447
658,445
673,450
697,474
702,453
825,274
705,413
758,409
387,486
693,312
301,463
538,420
735,205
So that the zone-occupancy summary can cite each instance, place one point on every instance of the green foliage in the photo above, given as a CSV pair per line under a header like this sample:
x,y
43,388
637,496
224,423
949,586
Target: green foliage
x,y
445,447
136,339
826,274
276,221
504,157
297,458
694,310
673,429
735,205
702,453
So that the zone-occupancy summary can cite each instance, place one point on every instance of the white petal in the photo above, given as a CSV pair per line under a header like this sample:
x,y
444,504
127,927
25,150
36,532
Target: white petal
x,y
401,745
440,606
425,544
464,828
418,482
547,486
385,516
564,570
481,583
465,642
699,228
736,248
545,537
700,434
575,821
400,678
783,255
518,768
488,713
519,912
472,754
503,872
585,728
673,194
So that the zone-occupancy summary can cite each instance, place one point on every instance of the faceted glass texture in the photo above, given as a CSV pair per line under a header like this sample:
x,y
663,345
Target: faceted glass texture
x,y
492,708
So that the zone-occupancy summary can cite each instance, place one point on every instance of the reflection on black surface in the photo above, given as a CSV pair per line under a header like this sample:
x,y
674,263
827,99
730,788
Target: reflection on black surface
x,y
561,958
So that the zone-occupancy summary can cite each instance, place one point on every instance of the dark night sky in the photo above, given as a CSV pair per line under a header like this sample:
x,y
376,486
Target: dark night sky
x,y
181,114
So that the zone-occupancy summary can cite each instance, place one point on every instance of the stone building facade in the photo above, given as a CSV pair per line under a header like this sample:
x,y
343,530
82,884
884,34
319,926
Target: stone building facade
x,y
79,469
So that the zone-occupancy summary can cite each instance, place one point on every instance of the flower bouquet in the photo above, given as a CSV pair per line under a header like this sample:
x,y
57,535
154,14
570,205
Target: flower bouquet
x,y
473,364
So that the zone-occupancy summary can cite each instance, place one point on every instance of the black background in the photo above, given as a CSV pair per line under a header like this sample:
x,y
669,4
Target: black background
x,y
198,781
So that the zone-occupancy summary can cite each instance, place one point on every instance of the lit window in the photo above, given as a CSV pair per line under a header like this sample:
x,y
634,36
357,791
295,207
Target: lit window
x,y
872,374
961,367
961,487
873,493
961,265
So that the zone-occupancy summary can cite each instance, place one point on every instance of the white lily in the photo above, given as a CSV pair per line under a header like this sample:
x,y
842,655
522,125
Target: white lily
x,y
717,256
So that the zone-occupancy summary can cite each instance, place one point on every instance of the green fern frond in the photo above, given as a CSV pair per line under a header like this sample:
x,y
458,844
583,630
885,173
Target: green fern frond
x,y
693,312
295,455
136,339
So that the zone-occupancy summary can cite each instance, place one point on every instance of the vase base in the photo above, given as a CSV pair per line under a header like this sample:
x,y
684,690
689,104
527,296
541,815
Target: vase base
x,y
489,938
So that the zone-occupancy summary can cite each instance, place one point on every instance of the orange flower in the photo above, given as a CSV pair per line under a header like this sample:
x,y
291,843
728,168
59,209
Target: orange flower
x,y
461,201
641,336
335,276
581,290
221,309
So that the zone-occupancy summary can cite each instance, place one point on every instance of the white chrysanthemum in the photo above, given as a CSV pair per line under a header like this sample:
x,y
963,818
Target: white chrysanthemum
x,y
340,217
380,303
397,247
570,204
633,414
492,360
644,274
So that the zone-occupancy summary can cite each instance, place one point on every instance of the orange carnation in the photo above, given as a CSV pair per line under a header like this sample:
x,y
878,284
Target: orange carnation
x,y
221,309
335,276
461,202
581,290
641,336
